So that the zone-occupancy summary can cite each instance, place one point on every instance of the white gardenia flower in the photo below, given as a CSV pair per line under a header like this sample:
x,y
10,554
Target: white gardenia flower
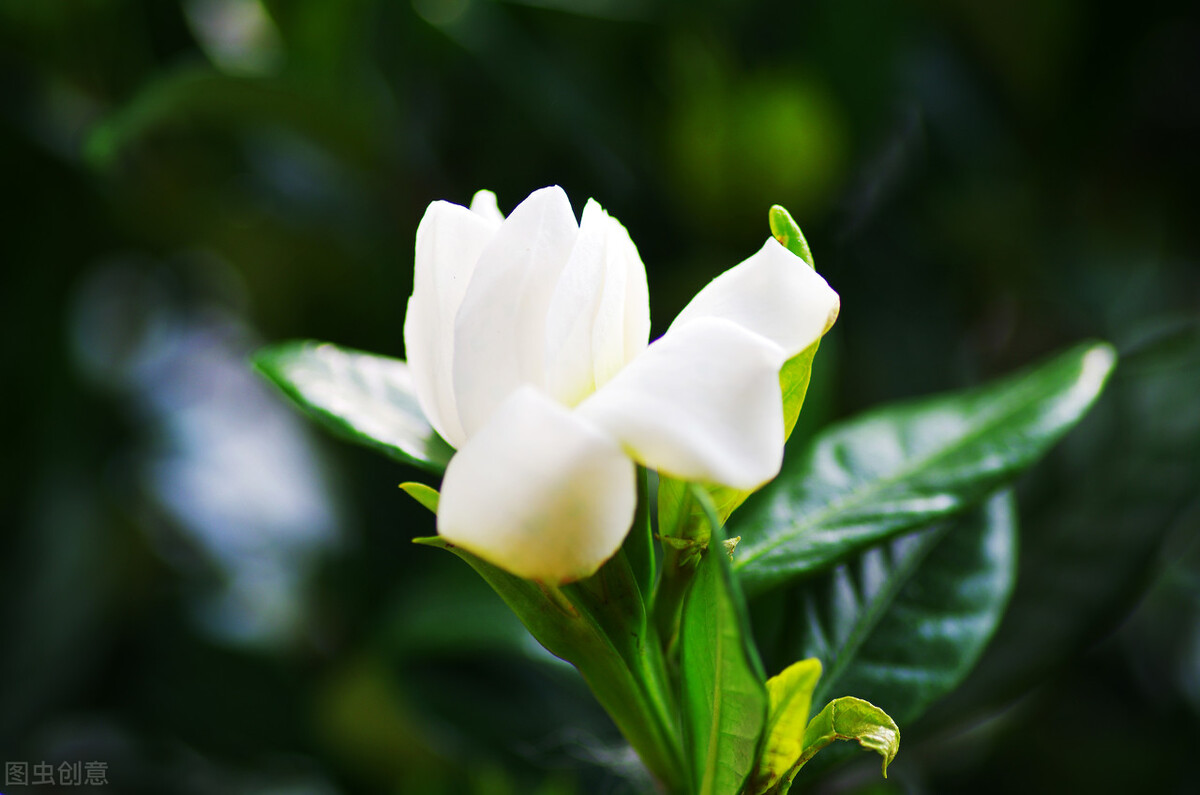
x,y
527,339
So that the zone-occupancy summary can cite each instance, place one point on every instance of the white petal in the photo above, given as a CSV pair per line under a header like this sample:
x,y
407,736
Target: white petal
x,y
599,302
499,332
450,240
571,316
773,293
622,325
539,492
484,204
702,403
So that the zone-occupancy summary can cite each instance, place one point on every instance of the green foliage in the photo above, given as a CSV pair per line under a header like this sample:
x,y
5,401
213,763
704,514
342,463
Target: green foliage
x,y
1088,545
851,719
639,544
201,96
724,698
790,694
903,622
792,739
921,577
785,229
363,397
903,467
425,495
920,583
600,626
965,234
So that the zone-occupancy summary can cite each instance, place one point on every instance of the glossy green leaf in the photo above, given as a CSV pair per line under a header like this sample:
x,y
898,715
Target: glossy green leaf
x,y
427,496
1094,525
600,626
724,697
902,623
907,466
850,718
790,695
362,397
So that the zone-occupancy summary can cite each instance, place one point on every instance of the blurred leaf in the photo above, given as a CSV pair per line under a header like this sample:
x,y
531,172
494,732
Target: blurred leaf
x,y
851,718
363,397
733,136
903,622
724,699
193,95
790,694
905,466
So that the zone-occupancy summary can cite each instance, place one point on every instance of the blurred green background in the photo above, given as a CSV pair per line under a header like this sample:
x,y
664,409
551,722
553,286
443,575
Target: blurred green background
x,y
209,596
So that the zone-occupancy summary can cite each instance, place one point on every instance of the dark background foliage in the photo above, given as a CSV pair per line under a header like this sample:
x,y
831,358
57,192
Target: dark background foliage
x,y
208,596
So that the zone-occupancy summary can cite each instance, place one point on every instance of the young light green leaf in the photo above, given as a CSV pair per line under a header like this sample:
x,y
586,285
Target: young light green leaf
x,y
362,397
724,698
850,718
902,623
907,466
790,694
427,496
785,229
600,626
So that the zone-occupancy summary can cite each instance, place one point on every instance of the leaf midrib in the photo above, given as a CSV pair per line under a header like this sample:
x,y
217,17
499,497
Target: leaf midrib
x,y
714,732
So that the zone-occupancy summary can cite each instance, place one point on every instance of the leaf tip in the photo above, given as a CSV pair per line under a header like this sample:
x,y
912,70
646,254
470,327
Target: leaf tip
x,y
433,541
785,230
1098,362
425,495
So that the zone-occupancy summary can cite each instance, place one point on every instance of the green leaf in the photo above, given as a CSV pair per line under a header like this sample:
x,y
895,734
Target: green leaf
x,y
724,698
600,626
639,543
790,694
362,397
907,466
1093,526
426,495
793,380
851,718
785,229
903,622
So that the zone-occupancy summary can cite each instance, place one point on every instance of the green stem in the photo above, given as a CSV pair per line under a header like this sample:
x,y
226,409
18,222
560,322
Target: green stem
x,y
668,600
633,687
